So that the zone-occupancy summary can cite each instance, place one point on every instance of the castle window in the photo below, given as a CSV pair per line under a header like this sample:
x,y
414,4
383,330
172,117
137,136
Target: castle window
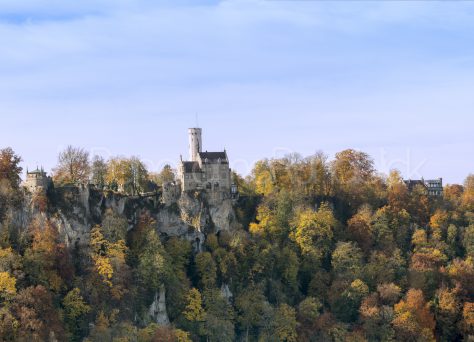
x,y
209,186
216,185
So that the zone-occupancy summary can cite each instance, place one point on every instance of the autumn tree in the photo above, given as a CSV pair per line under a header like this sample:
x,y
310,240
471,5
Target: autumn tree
x,y
263,178
448,312
413,320
360,228
101,330
468,240
376,318
419,205
129,174
118,173
383,267
425,262
139,175
166,175
152,263
7,286
9,180
346,303
206,269
179,253
10,168
347,261
194,312
37,317
350,164
468,195
285,323
75,309
73,166
313,231
439,222
452,195
114,226
99,171
354,177
46,260
397,192
461,274
109,263
467,324
219,318
9,325
316,175
273,218
250,305
309,310
382,233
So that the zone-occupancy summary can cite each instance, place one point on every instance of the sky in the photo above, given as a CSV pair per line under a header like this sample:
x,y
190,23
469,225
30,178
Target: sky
x,y
263,79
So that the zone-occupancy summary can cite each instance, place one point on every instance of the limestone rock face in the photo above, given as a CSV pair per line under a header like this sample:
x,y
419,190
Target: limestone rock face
x,y
226,293
75,210
223,216
157,309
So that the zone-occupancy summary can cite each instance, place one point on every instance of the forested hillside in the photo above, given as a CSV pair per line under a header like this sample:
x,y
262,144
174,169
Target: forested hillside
x,y
323,251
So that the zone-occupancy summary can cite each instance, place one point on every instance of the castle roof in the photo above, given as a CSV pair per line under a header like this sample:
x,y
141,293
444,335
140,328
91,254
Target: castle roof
x,y
36,171
213,157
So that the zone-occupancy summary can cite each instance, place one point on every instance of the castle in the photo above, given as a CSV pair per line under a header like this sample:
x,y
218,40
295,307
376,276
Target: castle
x,y
207,171
36,180
434,187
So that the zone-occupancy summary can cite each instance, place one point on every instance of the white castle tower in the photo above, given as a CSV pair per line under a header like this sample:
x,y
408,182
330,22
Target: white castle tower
x,y
195,143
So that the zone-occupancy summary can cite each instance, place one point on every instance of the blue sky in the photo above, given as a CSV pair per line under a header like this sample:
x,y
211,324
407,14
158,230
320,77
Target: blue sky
x,y
394,79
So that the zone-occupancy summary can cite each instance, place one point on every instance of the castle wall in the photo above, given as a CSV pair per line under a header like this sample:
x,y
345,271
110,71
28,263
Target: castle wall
x,y
171,192
36,181
191,181
218,175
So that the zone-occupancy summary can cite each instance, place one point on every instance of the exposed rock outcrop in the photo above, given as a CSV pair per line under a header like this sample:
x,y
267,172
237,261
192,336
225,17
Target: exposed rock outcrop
x,y
157,309
226,293
75,210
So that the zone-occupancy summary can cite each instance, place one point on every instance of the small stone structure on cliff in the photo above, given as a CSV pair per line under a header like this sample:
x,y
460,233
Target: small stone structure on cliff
x,y
37,180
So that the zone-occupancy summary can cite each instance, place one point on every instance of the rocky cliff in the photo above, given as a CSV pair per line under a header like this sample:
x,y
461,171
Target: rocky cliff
x,y
75,210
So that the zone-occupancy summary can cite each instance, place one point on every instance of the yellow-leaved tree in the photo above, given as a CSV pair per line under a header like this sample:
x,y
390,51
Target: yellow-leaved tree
x,y
107,256
313,231
413,320
194,311
7,286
